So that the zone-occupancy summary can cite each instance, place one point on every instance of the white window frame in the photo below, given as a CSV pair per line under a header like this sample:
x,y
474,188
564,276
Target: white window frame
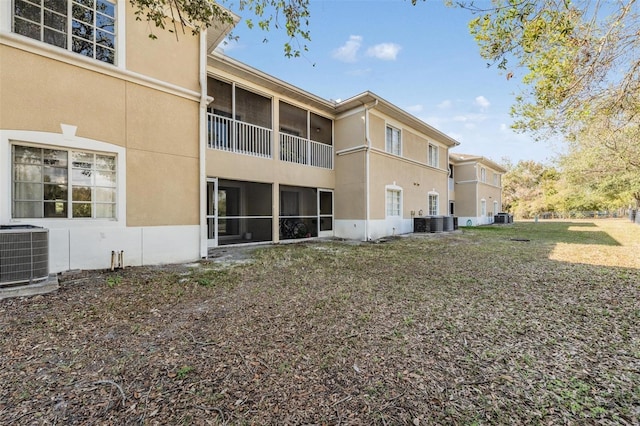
x,y
496,179
495,207
393,146
393,201
483,174
483,207
68,141
81,171
436,208
66,31
433,155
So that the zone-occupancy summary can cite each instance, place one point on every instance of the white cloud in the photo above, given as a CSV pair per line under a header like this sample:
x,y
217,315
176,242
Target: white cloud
x,y
446,104
482,102
359,72
228,45
456,136
470,118
384,51
349,50
414,109
504,128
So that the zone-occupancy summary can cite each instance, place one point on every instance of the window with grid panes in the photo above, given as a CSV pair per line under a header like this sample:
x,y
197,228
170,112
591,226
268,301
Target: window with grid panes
x,y
433,155
393,142
433,204
393,202
60,183
87,27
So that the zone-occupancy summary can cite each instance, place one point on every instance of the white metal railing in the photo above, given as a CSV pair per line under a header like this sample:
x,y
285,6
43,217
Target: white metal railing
x,y
295,149
227,134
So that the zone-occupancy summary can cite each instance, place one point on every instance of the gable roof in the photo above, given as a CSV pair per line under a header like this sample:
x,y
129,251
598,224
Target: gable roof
x,y
459,158
217,31
224,63
395,112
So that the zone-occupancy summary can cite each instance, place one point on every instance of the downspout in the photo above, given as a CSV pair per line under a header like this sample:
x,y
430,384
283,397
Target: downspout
x,y
202,136
367,152
449,166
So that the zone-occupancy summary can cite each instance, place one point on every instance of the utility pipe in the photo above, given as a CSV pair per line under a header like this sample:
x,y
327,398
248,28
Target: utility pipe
x,y
367,153
202,139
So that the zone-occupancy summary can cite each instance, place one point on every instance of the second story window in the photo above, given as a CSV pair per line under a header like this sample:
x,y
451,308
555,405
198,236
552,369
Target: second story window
x,y
393,142
483,174
433,155
86,27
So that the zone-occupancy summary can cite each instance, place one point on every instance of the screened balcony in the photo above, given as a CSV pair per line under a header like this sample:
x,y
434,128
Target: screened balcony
x,y
238,120
305,138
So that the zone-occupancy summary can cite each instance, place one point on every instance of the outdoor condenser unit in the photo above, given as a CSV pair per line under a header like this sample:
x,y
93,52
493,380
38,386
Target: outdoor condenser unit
x,y
24,254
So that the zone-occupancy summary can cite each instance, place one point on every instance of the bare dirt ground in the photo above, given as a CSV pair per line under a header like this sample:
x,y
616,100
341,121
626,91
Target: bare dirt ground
x,y
499,325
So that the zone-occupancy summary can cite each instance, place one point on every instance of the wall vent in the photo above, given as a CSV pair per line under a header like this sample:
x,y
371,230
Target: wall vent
x,y
24,254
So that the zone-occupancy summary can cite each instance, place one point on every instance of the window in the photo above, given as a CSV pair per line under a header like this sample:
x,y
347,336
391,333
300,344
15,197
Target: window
x,y
56,183
393,202
86,27
496,179
495,207
483,174
393,142
433,204
433,156
483,208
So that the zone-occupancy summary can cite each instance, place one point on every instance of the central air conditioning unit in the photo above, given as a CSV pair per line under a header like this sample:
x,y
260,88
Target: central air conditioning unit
x,y
24,255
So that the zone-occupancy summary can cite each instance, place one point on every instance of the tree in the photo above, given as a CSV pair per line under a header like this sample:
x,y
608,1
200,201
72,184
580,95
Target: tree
x,y
606,159
529,188
197,15
579,59
581,69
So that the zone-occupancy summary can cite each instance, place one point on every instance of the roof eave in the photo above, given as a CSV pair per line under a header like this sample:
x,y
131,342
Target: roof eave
x,y
390,109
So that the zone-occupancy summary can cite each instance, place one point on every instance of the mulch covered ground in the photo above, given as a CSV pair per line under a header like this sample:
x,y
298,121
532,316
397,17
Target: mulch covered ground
x,y
467,328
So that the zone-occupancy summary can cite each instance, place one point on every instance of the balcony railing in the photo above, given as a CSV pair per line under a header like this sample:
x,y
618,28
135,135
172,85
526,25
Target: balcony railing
x,y
231,135
299,150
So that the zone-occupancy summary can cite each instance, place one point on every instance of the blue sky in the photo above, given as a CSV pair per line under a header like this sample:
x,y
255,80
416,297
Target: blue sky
x,y
421,58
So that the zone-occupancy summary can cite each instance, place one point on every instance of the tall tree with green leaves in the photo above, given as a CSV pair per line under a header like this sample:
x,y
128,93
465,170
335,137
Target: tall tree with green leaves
x,y
529,188
290,16
605,159
576,59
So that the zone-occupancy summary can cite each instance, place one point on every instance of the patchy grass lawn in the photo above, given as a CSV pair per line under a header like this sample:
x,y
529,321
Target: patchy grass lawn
x,y
512,324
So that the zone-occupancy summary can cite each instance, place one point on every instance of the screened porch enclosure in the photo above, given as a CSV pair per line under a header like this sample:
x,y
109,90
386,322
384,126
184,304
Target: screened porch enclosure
x,y
305,137
239,120
238,212
305,212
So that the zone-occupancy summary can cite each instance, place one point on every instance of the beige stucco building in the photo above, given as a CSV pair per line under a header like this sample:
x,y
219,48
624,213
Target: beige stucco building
x,y
280,158
476,189
161,149
100,132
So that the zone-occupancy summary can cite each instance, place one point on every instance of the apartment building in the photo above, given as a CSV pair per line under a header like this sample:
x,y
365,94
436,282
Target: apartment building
x,y
475,184
161,149
280,158
100,132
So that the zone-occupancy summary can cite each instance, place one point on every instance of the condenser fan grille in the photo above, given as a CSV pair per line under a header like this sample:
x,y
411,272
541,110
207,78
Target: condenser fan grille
x,y
24,254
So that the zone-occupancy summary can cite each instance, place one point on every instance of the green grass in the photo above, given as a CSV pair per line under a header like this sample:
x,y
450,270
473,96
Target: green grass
x,y
572,232
530,323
